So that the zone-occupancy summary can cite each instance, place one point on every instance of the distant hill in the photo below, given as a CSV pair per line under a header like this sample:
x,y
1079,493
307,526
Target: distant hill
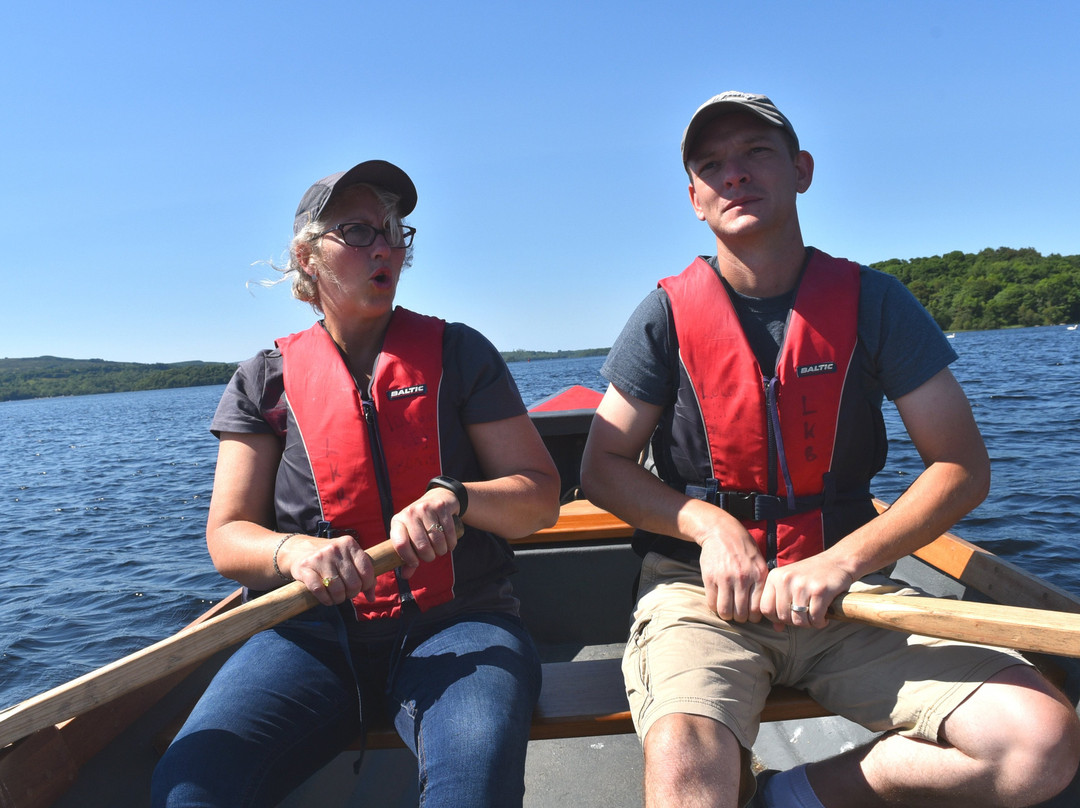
x,y
45,377
528,356
49,376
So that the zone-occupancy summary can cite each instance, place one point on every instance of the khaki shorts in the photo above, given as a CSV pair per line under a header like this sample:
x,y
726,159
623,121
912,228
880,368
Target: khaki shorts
x,y
682,658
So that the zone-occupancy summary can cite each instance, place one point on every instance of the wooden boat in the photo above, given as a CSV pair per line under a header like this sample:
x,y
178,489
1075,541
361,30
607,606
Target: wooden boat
x,y
575,582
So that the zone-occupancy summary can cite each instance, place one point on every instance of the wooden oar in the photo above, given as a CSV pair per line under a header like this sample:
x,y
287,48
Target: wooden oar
x,y
1036,630
180,650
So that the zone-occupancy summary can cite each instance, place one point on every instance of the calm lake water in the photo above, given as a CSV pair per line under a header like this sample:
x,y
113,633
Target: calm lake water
x,y
104,499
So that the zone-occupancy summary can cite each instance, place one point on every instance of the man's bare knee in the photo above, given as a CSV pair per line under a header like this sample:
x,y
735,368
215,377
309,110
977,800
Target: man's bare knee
x,y
691,760
1023,731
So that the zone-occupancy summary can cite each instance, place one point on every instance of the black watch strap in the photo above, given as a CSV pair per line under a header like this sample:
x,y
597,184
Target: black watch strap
x,y
450,484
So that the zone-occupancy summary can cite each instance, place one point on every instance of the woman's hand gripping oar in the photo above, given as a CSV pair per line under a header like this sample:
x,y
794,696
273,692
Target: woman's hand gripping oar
x,y
189,646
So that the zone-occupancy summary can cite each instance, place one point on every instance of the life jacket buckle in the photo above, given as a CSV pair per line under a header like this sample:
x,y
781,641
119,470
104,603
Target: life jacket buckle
x,y
743,505
740,504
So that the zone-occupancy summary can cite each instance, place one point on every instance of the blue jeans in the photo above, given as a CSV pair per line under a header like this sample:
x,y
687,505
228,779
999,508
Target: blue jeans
x,y
461,696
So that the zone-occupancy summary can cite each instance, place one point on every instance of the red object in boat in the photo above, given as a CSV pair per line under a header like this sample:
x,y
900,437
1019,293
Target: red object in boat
x,y
576,397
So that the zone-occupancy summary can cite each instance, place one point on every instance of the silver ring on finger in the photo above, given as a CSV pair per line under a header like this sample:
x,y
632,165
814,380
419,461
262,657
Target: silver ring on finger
x,y
800,609
436,526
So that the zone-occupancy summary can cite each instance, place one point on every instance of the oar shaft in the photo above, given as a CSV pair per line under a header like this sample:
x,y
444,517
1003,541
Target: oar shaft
x,y
986,623
185,648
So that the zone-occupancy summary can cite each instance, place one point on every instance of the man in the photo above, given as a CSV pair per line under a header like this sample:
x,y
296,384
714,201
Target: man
x,y
756,377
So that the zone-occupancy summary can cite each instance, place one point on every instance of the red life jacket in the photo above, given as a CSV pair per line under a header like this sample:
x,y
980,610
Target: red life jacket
x,y
370,458
771,441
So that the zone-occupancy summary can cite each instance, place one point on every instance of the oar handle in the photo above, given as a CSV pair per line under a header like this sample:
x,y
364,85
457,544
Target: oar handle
x,y
1023,629
193,644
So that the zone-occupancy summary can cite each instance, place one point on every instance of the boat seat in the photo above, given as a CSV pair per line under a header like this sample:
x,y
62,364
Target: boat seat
x,y
578,699
586,698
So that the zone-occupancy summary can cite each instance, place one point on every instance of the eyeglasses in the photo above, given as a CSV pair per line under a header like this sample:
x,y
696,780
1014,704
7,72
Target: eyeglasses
x,y
357,234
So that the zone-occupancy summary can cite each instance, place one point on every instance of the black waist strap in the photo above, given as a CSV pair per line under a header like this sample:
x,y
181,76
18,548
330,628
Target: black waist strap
x,y
751,506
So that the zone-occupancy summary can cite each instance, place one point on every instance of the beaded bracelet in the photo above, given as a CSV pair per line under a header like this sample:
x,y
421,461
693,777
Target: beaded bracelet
x,y
277,569
450,484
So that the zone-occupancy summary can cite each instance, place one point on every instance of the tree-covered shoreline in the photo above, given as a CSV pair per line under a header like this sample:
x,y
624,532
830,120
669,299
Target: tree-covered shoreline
x,y
528,356
52,376
995,288
1000,288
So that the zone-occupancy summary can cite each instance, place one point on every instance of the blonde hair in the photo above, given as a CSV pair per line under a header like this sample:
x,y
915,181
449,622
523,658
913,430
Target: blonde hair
x,y
304,287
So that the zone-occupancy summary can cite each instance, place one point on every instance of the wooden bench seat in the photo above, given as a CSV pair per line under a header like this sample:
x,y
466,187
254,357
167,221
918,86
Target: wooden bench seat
x,y
585,698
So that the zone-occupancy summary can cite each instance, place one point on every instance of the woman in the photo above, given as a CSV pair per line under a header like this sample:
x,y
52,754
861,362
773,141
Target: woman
x,y
376,422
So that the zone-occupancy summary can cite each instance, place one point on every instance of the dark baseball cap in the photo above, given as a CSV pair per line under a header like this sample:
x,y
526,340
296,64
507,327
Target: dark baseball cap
x,y
733,101
371,172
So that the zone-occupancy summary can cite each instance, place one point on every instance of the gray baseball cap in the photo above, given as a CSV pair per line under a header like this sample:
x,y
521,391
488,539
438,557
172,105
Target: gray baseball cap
x,y
732,101
372,172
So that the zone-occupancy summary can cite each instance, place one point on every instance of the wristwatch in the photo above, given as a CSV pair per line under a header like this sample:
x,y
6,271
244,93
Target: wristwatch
x,y
450,484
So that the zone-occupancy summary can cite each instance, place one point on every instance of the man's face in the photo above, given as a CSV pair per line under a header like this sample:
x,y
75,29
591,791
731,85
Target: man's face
x,y
743,178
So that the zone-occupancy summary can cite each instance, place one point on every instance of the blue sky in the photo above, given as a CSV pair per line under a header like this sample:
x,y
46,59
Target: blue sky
x,y
151,154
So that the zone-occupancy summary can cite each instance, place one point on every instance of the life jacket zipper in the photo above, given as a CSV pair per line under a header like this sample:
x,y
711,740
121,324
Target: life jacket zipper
x,y
771,547
777,461
382,482
382,475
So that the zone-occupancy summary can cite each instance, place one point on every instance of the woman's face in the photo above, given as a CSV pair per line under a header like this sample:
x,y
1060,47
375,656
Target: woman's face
x,y
356,281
